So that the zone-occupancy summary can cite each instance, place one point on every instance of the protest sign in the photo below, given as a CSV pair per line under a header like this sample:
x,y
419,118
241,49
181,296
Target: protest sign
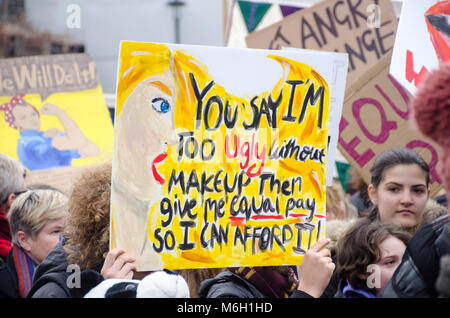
x,y
52,114
376,118
220,155
364,29
337,90
422,41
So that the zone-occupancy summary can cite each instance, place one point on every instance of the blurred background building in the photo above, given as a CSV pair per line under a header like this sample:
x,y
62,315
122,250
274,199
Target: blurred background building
x,y
33,27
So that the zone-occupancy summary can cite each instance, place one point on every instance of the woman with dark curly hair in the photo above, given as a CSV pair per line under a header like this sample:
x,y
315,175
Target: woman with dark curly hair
x,y
82,258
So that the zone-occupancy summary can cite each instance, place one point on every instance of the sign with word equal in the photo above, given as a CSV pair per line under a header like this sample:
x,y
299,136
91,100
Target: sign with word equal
x,y
376,117
220,155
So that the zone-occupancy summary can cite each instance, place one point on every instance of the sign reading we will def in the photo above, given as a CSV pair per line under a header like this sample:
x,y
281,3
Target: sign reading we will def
x,y
228,175
363,29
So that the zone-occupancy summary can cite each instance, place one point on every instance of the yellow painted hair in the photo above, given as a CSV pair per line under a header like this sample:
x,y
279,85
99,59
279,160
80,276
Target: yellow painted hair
x,y
137,64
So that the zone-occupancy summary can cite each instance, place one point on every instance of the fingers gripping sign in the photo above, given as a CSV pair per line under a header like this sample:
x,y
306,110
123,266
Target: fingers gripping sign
x,y
118,265
316,269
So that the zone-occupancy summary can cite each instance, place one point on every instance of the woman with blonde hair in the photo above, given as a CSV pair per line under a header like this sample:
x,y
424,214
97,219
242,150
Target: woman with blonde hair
x,y
84,248
36,219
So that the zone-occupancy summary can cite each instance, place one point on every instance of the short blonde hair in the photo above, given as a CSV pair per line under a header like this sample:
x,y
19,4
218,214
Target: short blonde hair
x,y
33,209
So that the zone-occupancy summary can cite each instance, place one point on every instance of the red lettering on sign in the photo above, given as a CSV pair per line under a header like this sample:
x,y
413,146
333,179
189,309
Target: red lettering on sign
x,y
403,93
409,72
360,159
434,176
386,126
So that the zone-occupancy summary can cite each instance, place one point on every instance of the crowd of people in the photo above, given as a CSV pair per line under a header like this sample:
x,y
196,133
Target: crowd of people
x,y
388,239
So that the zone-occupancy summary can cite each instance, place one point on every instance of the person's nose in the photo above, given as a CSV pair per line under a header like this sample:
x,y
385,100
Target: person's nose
x,y
171,138
407,198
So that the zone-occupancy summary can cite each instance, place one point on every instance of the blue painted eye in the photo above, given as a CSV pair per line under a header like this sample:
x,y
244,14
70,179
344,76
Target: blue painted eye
x,y
161,105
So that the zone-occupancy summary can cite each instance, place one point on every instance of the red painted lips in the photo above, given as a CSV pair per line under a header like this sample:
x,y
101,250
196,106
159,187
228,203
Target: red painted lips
x,y
156,174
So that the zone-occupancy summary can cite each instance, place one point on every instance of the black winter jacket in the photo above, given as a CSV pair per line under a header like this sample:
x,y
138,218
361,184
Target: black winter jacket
x,y
9,286
53,278
230,285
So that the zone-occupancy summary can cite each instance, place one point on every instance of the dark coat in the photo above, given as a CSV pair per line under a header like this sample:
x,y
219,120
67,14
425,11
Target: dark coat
x,y
230,285
417,274
9,283
53,278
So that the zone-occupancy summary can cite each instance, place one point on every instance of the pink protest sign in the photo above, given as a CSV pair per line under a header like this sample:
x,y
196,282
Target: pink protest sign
x,y
375,118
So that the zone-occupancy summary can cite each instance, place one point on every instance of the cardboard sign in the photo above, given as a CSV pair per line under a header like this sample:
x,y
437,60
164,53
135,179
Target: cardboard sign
x,y
376,118
214,164
52,113
422,41
364,29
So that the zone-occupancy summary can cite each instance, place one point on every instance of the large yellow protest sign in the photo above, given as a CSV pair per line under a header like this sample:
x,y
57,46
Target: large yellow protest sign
x,y
205,177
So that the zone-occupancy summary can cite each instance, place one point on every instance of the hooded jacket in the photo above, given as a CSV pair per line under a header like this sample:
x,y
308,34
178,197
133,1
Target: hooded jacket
x,y
54,278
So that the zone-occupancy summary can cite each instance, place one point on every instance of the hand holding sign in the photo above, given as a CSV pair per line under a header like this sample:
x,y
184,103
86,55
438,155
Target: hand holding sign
x,y
316,269
118,265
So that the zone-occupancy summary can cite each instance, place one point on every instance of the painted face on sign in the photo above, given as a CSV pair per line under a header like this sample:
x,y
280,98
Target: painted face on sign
x,y
145,128
26,117
401,195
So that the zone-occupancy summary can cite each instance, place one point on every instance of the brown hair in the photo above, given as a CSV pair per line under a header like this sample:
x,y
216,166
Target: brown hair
x,y
358,248
88,223
393,157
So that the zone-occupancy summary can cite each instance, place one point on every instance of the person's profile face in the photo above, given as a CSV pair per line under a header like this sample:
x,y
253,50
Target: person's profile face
x,y
391,253
26,118
46,240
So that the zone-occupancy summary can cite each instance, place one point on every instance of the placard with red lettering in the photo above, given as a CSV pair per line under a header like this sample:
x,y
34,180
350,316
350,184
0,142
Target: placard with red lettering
x,y
375,118
220,154
422,41
364,29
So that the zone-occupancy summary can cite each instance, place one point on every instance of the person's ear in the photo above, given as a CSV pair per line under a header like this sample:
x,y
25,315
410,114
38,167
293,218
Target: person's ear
x,y
24,240
372,192
362,277
10,200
